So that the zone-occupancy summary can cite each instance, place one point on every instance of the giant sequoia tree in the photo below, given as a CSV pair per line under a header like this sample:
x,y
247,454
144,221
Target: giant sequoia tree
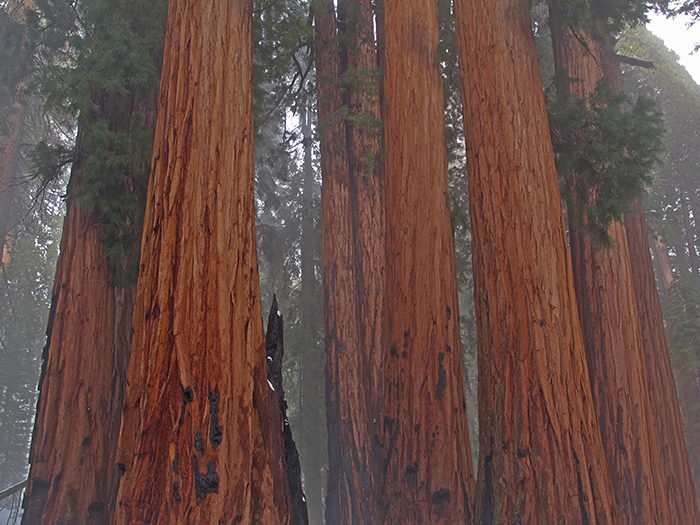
x,y
353,232
540,457
429,475
606,301
677,94
73,476
200,439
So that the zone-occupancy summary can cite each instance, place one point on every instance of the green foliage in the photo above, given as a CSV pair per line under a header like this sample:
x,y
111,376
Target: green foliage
x,y
105,81
608,151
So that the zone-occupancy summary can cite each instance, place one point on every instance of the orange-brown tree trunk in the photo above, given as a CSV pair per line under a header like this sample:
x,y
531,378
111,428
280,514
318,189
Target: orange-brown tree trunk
x,y
200,440
667,420
353,243
611,326
73,476
541,459
429,474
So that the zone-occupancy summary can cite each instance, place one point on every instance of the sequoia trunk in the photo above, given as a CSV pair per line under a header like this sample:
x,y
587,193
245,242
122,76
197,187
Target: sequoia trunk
x,y
541,458
353,244
607,308
200,439
667,419
73,476
429,474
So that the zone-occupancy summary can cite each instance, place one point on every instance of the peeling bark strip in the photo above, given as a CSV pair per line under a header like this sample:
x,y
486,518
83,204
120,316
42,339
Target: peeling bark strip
x,y
541,458
197,384
609,319
429,474
353,257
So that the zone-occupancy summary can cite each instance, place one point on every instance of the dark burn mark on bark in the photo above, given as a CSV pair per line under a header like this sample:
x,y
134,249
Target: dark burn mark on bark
x,y
522,453
442,378
176,492
449,313
199,442
205,484
416,428
187,397
86,441
582,499
623,450
448,349
121,468
411,475
237,520
406,336
97,509
176,460
487,498
394,352
442,496
216,431
440,499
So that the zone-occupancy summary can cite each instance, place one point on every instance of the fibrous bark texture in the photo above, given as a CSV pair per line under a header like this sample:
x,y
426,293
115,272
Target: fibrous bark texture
x,y
200,439
667,421
429,474
353,244
541,458
73,476
609,319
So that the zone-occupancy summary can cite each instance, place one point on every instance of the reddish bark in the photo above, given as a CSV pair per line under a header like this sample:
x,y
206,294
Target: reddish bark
x,y
429,474
610,320
353,232
540,458
73,476
200,440
667,420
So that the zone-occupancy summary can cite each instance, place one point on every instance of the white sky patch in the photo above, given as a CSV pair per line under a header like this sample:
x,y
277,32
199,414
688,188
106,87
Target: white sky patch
x,y
270,384
680,38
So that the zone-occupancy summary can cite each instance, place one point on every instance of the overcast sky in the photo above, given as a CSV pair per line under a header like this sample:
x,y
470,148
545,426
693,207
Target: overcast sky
x,y
682,39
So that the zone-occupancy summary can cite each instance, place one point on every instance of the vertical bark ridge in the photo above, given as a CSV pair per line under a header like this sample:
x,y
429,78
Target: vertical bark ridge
x,y
73,476
353,218
610,321
541,458
429,474
663,395
200,440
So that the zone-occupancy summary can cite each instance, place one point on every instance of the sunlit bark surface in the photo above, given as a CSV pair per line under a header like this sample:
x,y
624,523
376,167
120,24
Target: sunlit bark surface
x,y
200,439
541,458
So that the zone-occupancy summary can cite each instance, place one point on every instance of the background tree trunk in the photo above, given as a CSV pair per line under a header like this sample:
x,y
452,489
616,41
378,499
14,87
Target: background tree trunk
x,y
73,476
667,420
608,311
353,232
429,474
201,439
540,458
